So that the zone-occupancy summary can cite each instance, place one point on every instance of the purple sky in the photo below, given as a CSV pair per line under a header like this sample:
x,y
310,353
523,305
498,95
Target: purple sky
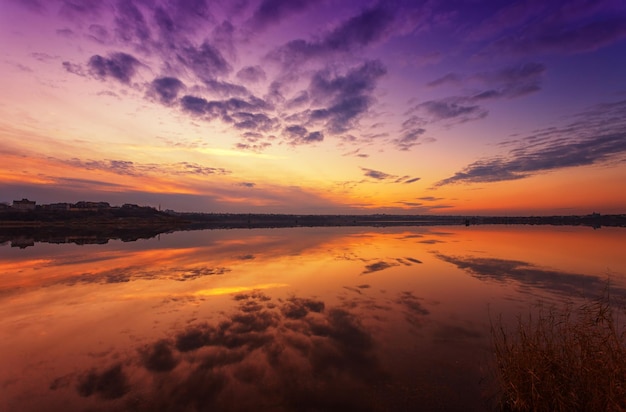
x,y
322,106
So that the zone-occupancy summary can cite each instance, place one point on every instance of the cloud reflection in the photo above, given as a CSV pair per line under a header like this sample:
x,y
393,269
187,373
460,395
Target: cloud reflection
x,y
295,354
570,284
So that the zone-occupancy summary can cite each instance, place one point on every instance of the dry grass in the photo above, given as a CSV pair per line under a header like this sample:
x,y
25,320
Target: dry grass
x,y
562,359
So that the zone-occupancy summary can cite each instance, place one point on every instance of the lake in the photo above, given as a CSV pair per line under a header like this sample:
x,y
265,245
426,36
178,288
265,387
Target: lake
x,y
358,318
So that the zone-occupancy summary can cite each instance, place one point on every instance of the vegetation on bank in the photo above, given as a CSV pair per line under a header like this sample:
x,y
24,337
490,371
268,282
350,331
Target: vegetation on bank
x,y
562,359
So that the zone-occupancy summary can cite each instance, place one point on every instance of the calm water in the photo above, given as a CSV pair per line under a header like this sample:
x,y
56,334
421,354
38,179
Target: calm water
x,y
281,319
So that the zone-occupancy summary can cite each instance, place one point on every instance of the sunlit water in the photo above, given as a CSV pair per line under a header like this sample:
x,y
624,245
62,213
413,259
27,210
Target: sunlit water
x,y
282,319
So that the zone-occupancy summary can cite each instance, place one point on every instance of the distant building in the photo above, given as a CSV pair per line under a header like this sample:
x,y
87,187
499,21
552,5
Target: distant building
x,y
90,206
59,206
24,204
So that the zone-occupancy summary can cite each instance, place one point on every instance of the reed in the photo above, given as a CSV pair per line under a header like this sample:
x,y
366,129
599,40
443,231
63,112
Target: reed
x,y
570,358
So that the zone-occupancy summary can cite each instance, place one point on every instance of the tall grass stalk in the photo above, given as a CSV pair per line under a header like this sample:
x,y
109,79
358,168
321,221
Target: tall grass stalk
x,y
562,359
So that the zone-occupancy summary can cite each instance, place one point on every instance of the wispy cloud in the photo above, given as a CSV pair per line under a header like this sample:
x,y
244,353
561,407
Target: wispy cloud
x,y
367,27
597,136
382,176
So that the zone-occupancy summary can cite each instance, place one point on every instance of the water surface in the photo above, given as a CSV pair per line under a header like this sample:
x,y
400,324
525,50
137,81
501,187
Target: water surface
x,y
282,319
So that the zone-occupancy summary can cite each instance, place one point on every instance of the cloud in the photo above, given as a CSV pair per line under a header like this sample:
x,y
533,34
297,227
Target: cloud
x,y
257,122
251,74
547,37
361,30
205,61
596,138
271,12
378,175
451,109
338,101
224,109
300,135
130,23
511,82
504,83
225,89
129,168
166,88
408,139
120,66
377,267
375,174
79,10
73,68
450,78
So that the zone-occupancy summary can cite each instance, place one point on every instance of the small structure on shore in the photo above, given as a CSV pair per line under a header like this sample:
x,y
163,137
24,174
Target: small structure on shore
x,y
24,204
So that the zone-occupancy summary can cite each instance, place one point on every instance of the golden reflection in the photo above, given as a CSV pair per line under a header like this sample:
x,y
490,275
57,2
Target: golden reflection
x,y
238,289
229,307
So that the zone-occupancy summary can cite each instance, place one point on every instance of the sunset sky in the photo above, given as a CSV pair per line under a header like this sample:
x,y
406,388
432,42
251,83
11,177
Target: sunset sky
x,y
316,106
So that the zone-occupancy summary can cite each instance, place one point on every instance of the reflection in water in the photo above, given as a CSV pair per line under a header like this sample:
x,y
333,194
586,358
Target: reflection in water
x,y
292,354
287,319
529,275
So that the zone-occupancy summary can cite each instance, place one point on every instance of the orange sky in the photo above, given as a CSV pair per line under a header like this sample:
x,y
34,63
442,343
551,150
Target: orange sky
x,y
342,108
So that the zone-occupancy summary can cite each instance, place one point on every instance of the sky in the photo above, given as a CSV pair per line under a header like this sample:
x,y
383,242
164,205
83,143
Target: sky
x,y
316,106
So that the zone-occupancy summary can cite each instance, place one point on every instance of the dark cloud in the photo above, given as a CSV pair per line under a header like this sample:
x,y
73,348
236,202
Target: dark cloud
x,y
450,78
298,100
98,33
120,66
341,100
378,175
365,28
454,109
251,74
206,61
529,28
166,88
511,82
129,168
300,135
408,139
598,137
258,122
375,174
194,105
357,153
378,266
233,110
73,68
79,10
225,89
130,24
507,82
583,36
430,198
271,12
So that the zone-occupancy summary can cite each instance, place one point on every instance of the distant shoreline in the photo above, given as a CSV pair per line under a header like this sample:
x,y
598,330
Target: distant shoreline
x,y
24,228
142,216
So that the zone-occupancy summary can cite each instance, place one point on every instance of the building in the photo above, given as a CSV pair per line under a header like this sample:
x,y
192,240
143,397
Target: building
x,y
24,204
